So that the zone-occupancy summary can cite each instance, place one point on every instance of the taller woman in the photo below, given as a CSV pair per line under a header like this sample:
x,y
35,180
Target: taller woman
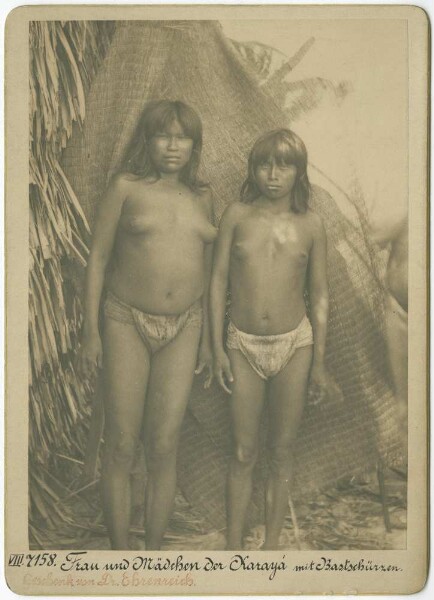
x,y
151,251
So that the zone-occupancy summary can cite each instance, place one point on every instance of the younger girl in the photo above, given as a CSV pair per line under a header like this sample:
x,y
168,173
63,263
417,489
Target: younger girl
x,y
270,245
153,235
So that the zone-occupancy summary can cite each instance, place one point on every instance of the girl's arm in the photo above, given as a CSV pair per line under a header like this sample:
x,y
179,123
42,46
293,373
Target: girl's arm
x,y
205,353
218,288
103,237
319,302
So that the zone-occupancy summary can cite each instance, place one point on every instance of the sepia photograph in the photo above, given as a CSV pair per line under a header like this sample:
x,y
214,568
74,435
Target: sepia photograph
x,y
218,217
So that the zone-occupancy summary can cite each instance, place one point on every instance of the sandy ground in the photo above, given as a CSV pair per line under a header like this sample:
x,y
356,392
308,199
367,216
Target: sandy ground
x,y
348,516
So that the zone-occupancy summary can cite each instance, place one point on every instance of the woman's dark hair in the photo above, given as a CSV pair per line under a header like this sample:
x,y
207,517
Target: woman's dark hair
x,y
285,148
156,117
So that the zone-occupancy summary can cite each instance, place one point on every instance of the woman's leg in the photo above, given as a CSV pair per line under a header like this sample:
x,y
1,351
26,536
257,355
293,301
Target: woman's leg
x,y
169,389
286,399
246,401
125,376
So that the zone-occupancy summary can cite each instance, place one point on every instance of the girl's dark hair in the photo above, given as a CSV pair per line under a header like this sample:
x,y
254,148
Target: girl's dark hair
x,y
156,117
285,148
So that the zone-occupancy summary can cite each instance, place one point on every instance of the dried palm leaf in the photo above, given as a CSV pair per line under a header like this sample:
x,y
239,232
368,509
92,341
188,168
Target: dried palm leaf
x,y
64,57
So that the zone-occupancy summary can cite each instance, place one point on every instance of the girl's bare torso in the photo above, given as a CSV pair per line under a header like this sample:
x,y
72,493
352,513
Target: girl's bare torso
x,y
158,255
269,258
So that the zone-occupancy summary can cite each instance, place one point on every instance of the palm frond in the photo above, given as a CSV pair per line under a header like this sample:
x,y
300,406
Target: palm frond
x,y
64,57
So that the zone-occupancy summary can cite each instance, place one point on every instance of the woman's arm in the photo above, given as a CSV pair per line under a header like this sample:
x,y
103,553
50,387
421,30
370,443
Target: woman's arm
x,y
218,288
106,222
319,302
205,353
206,335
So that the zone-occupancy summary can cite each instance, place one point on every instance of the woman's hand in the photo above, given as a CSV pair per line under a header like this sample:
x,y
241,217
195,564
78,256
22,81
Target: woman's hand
x,y
222,370
90,355
204,362
318,384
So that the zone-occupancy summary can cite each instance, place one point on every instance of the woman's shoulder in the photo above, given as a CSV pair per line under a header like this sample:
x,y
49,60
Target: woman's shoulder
x,y
203,194
125,178
122,180
121,187
115,193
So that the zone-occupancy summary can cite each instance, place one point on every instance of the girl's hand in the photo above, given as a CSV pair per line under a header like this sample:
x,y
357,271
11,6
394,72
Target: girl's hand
x,y
318,384
222,370
90,355
205,361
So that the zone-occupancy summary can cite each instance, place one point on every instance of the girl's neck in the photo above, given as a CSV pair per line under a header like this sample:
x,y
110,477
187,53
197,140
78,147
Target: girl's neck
x,y
276,205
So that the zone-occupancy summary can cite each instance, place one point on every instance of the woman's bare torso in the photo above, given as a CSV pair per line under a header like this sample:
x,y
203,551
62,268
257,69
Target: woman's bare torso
x,y
158,255
269,258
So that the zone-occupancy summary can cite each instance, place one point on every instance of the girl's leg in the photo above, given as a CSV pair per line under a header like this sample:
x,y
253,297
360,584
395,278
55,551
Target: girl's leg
x,y
168,393
286,399
125,376
246,401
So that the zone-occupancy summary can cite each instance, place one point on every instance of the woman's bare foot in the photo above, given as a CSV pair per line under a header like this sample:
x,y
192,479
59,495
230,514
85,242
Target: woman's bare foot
x,y
136,542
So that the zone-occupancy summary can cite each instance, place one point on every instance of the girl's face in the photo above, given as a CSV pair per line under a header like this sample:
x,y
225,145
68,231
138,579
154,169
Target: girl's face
x,y
275,181
171,149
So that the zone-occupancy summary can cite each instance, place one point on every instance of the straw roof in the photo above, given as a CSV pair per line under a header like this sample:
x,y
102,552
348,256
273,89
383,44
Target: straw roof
x,y
194,62
63,60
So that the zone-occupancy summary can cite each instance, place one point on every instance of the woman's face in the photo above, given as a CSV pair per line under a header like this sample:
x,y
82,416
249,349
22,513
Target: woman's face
x,y
275,181
171,149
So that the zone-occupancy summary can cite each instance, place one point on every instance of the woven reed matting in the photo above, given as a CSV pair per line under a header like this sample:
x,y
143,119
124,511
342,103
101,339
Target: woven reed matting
x,y
192,61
